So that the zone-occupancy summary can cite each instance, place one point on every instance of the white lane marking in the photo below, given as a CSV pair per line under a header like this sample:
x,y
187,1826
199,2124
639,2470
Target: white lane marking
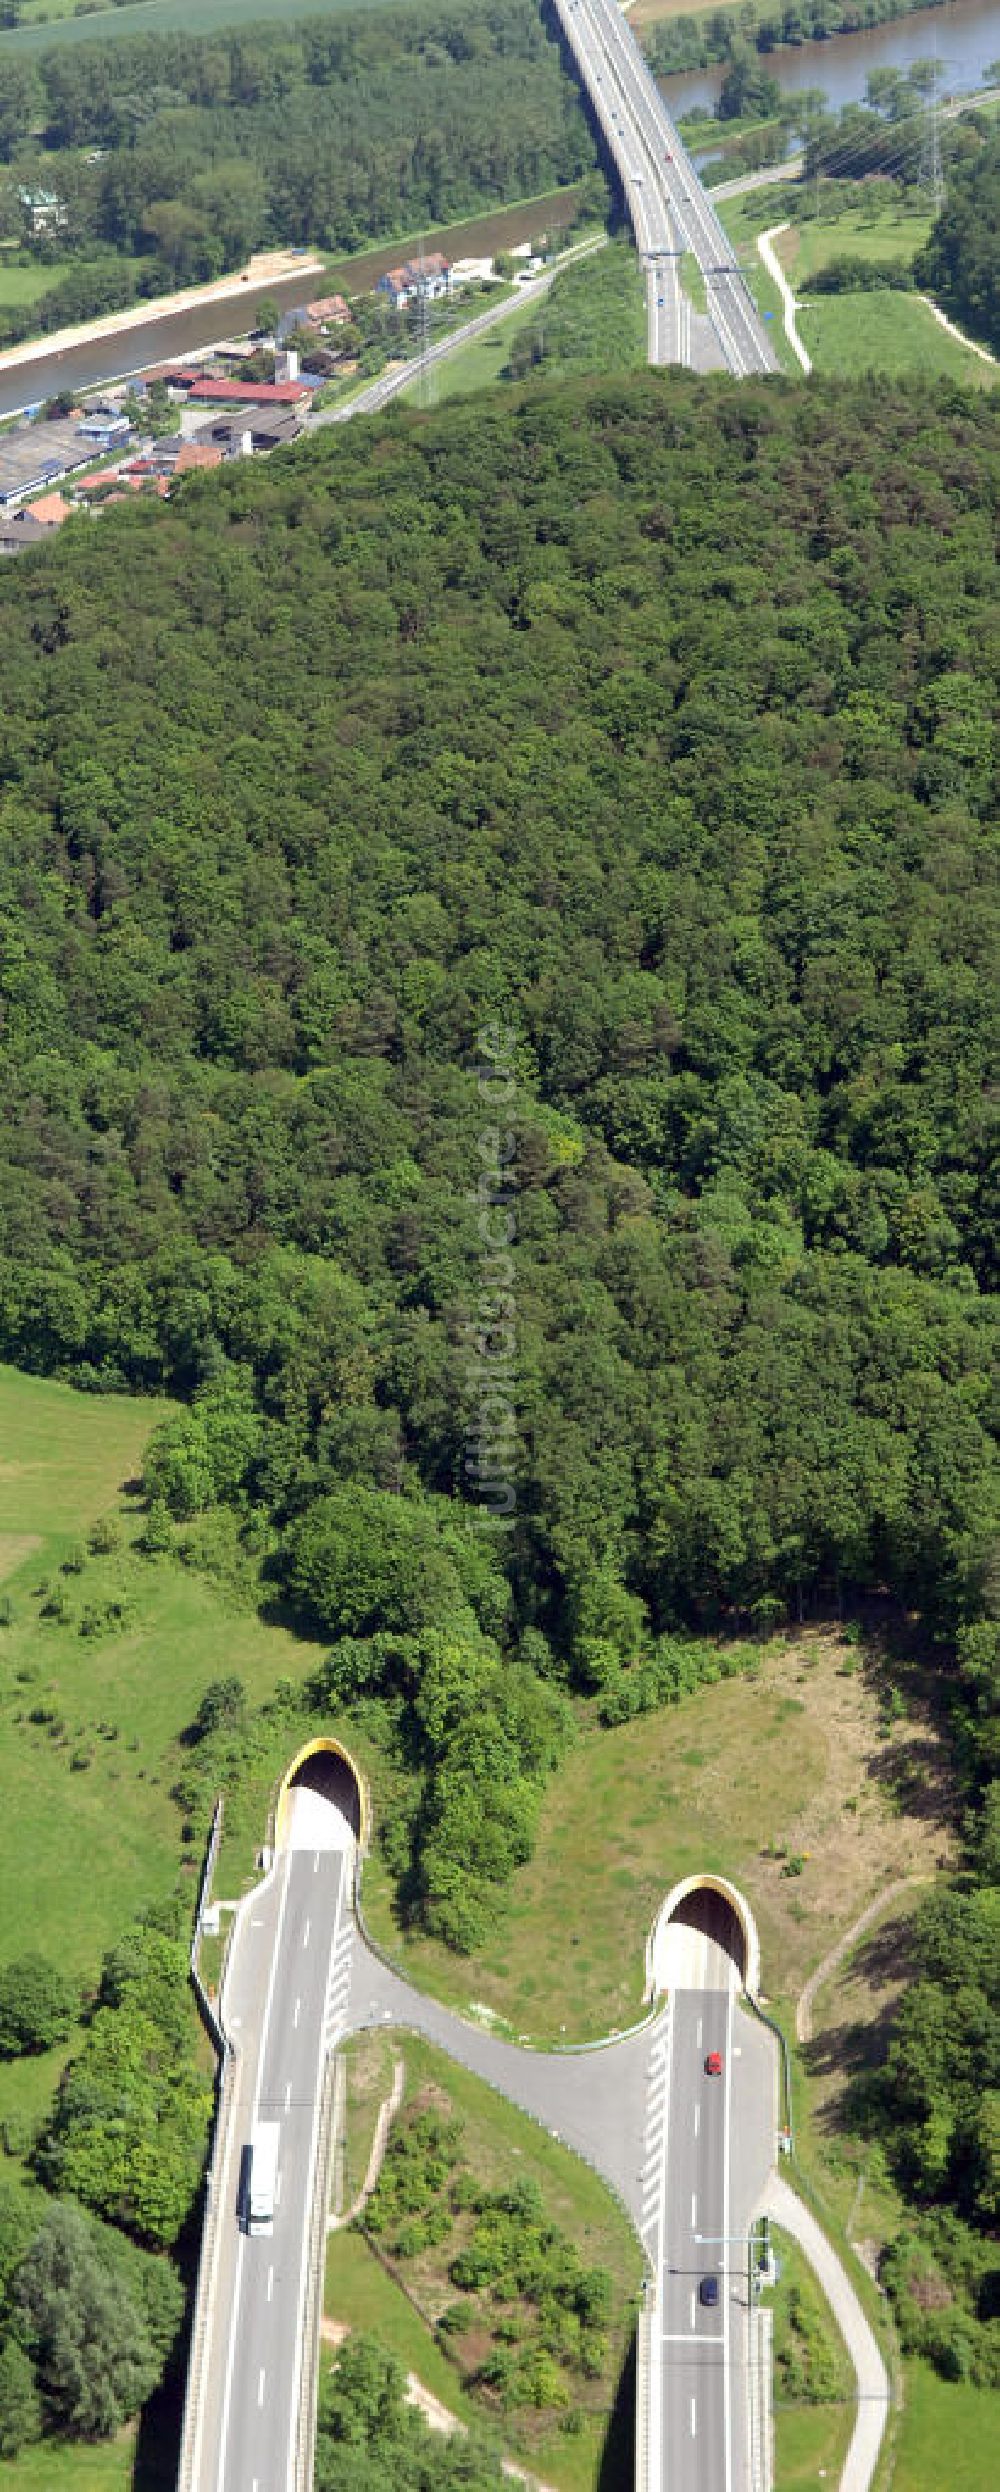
x,y
298,2011
694,2210
694,2416
237,2288
260,2389
270,2282
683,2337
305,1934
697,2118
293,2402
315,1862
256,1924
698,2033
727,2402
288,2095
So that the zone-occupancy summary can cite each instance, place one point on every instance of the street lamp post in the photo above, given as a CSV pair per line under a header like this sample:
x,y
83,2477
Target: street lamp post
x,y
709,2240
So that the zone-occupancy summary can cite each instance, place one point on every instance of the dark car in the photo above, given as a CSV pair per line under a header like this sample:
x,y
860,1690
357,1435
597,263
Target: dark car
x,y
708,2291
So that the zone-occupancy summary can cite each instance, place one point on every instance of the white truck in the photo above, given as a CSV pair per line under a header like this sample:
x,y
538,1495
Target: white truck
x,y
264,2138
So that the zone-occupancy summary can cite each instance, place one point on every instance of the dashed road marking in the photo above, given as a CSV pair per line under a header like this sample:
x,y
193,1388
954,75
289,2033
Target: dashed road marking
x,y
260,2389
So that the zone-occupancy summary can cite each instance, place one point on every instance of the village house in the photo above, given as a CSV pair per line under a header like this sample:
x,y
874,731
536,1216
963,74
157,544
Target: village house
x,y
270,394
43,211
425,279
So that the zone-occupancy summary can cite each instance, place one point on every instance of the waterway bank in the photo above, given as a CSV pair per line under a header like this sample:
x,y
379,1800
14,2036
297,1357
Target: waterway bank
x,y
964,33
169,328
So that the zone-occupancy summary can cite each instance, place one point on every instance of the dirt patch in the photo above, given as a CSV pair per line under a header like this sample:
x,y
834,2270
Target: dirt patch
x,y
854,2013
880,1809
785,247
14,1548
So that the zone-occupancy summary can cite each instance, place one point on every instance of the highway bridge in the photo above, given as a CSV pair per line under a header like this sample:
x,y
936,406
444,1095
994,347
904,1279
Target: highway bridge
x,y
668,207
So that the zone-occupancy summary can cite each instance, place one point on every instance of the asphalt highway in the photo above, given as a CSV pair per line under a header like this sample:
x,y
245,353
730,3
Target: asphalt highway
x,y
669,209
711,2143
284,2005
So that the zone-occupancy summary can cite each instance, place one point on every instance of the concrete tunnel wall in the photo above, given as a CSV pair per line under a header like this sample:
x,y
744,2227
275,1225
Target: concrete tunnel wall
x,y
705,1881
349,1778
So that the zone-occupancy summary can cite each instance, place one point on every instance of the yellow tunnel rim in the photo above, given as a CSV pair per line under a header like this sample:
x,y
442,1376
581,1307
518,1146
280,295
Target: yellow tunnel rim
x,y
325,1745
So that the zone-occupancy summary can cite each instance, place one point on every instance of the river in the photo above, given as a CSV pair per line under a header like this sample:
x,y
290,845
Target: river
x,y
967,35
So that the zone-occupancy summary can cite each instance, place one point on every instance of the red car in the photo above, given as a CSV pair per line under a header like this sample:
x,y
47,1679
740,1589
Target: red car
x,y
713,2064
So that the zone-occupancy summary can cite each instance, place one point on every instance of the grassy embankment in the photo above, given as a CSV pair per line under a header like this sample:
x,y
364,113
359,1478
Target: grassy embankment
x,y
792,1780
851,333
497,2143
813,2379
593,319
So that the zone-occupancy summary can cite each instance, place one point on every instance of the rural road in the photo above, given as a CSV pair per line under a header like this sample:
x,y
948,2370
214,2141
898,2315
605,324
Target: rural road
x,y
835,1956
391,384
765,245
782,2203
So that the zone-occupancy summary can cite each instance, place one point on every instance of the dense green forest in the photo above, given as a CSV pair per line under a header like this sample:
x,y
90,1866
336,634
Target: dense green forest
x,y
497,961
189,151
962,257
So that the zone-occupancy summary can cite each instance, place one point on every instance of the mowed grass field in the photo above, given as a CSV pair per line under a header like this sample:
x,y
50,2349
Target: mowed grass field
x,y
850,334
147,17
19,286
81,1846
892,233
892,333
948,2436
796,1763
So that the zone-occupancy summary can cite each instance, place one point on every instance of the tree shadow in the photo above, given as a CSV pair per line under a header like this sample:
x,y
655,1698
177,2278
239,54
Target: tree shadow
x,y
910,1773
158,2448
617,2467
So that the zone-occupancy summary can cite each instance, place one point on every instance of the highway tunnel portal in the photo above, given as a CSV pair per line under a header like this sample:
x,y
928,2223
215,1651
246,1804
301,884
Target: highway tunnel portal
x,y
326,1767
714,1908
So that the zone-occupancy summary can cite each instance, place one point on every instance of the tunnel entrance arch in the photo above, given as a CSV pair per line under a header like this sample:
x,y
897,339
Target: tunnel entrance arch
x,y
710,1905
327,1767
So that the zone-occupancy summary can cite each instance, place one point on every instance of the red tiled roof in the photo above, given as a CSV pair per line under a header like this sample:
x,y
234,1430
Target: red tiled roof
x,y
50,510
328,307
251,393
197,454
